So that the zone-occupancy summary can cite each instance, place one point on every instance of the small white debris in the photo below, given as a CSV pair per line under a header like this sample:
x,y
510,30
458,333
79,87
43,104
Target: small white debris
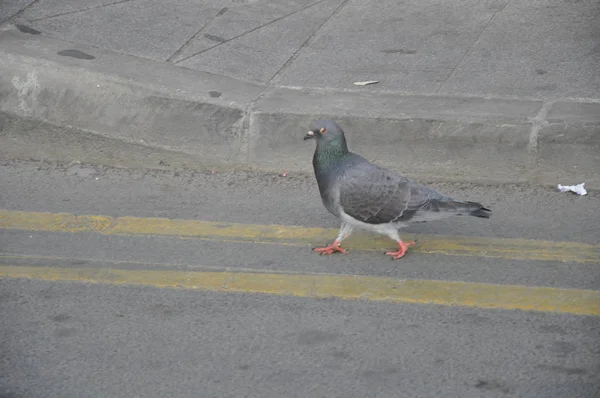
x,y
366,83
579,189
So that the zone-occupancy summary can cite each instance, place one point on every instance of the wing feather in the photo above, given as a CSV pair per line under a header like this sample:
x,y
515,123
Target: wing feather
x,y
375,195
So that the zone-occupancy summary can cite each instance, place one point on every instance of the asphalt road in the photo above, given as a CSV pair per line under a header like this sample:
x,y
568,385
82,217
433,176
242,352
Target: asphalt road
x,y
64,334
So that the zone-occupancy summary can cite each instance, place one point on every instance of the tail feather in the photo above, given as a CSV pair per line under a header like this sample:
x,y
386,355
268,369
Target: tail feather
x,y
438,209
478,210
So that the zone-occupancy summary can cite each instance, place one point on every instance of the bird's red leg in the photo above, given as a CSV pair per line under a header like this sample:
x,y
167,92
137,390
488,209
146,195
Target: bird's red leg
x,y
334,247
402,248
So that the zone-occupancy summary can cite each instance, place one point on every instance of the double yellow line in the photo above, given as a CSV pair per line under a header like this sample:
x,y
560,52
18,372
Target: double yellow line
x,y
346,287
513,249
349,287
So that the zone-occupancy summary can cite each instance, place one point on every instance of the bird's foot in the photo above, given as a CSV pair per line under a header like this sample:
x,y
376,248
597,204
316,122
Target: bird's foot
x,y
334,247
402,248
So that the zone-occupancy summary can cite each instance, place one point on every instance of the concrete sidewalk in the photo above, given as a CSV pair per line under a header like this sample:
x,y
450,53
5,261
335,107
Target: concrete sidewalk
x,y
468,90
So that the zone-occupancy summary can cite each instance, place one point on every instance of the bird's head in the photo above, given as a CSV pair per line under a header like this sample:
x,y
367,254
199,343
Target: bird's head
x,y
326,132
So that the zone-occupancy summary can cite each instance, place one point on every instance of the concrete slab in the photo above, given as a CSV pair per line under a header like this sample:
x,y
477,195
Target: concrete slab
x,y
9,8
569,141
116,96
133,27
259,55
51,8
570,112
238,19
542,48
416,135
224,122
406,46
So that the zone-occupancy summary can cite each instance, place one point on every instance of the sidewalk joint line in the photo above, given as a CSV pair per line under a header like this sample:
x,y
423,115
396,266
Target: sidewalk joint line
x,y
537,123
188,42
471,47
309,40
248,32
78,11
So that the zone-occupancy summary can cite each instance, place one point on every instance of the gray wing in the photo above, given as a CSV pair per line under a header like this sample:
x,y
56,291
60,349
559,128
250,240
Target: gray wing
x,y
374,195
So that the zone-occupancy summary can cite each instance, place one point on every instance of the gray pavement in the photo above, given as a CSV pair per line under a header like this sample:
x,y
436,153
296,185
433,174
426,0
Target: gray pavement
x,y
497,90
545,48
84,340
74,339
254,198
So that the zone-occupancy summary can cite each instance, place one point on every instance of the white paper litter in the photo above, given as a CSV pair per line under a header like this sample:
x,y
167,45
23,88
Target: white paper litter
x,y
366,83
579,189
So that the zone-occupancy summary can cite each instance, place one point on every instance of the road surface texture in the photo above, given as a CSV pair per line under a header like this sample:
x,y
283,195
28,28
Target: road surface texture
x,y
123,282
158,210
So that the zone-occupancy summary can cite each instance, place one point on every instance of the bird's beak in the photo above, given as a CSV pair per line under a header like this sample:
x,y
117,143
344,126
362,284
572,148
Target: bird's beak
x,y
309,135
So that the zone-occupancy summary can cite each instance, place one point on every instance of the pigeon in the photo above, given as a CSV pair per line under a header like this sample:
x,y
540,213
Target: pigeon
x,y
369,197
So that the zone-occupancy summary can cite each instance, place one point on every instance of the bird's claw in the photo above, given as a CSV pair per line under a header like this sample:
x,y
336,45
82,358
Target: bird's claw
x,y
402,248
333,248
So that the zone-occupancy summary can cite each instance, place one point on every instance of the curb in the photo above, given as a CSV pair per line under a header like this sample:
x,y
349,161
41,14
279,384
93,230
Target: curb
x,y
226,122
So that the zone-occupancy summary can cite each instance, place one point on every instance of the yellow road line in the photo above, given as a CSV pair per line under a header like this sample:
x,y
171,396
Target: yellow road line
x,y
448,293
517,249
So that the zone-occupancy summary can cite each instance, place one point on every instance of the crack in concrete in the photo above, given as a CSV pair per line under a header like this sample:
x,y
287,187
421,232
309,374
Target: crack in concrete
x,y
537,123
471,46
250,31
189,42
307,41
78,11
